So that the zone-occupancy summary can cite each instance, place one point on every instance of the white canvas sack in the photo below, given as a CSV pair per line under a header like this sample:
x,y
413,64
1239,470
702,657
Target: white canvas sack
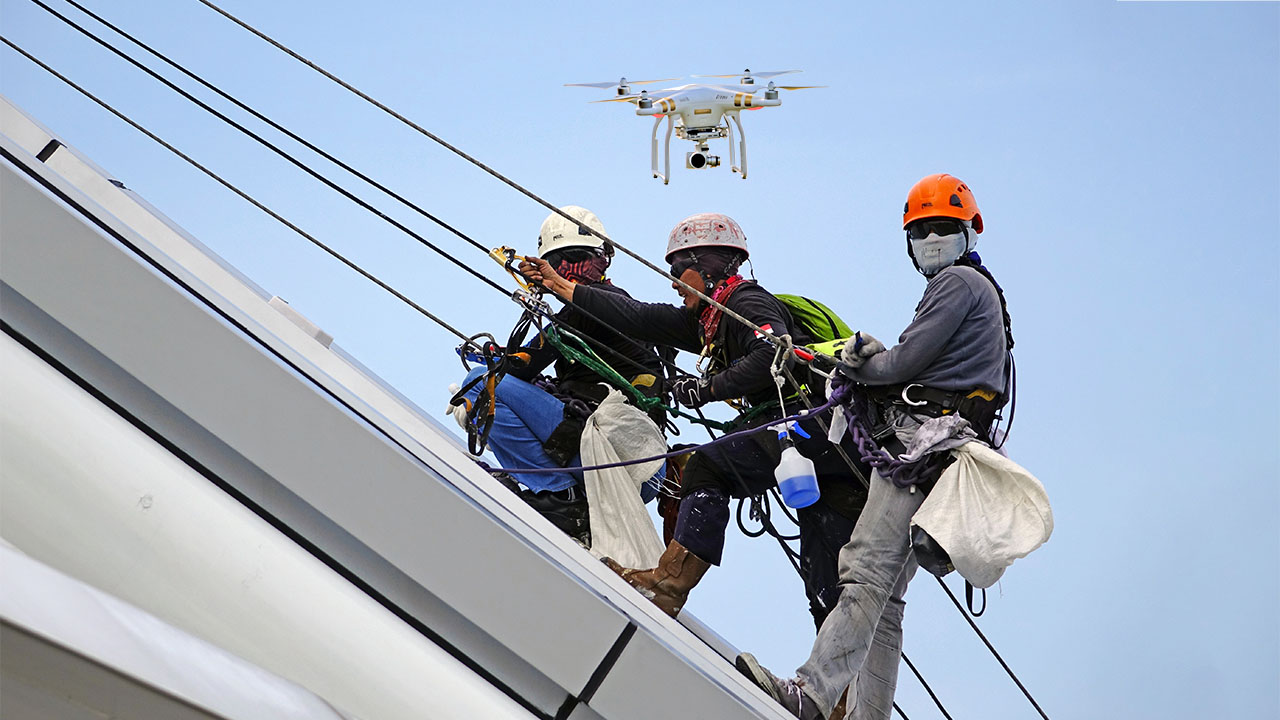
x,y
620,526
986,511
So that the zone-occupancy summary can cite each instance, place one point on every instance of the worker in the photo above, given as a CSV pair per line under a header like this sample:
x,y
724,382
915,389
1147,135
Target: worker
x,y
538,421
952,358
705,251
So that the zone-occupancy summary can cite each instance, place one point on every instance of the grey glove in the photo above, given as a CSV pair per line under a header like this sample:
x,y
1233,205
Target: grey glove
x,y
860,347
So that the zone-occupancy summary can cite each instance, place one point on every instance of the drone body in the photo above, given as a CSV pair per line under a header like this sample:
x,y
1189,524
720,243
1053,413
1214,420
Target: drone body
x,y
700,113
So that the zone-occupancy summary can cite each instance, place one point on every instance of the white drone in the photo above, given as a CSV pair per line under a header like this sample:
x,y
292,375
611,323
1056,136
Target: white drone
x,y
704,112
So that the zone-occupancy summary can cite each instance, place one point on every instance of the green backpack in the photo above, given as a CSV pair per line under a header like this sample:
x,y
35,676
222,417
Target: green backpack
x,y
820,322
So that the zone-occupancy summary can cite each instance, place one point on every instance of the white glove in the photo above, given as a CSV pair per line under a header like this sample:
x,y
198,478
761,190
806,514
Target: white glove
x,y
858,348
459,412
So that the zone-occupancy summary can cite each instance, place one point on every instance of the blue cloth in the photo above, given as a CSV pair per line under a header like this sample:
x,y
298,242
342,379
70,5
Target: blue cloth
x,y
524,417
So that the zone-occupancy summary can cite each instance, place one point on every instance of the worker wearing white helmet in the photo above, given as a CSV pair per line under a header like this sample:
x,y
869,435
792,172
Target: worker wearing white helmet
x,y
532,427
705,251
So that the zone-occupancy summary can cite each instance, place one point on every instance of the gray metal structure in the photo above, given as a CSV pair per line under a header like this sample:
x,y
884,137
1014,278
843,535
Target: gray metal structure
x,y
207,369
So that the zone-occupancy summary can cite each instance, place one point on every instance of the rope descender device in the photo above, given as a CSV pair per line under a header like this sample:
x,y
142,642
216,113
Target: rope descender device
x,y
507,257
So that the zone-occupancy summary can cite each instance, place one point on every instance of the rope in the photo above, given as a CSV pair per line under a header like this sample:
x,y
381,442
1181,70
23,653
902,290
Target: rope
x,y
277,150
992,648
310,238
674,453
927,689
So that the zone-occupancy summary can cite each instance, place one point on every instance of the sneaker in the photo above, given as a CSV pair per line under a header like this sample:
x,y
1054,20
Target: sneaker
x,y
786,692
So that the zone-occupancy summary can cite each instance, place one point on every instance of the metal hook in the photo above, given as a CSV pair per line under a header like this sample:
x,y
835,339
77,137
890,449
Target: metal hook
x,y
908,400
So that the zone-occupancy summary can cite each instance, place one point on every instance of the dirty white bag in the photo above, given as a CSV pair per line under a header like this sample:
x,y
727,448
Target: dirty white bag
x,y
620,526
986,511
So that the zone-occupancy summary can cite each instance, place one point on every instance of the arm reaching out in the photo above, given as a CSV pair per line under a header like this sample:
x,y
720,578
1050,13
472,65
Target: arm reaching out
x,y
537,270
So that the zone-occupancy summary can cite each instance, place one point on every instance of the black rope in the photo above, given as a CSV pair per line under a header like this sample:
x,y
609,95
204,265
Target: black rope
x,y
992,648
927,689
275,149
310,238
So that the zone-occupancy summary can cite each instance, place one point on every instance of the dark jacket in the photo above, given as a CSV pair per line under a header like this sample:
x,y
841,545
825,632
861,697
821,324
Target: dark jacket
x,y
630,358
740,358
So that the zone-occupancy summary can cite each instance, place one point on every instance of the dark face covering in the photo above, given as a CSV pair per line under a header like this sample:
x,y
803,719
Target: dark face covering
x,y
579,265
713,264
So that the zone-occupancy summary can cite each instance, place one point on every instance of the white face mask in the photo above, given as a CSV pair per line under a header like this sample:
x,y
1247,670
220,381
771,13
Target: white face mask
x,y
940,251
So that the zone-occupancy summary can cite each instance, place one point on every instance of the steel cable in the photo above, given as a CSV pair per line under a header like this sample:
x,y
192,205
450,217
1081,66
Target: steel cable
x,y
310,238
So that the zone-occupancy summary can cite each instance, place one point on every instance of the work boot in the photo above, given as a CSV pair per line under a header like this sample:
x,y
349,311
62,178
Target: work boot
x,y
786,692
667,585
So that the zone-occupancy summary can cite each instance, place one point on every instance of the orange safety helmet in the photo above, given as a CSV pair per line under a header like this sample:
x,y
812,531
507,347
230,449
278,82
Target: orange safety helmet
x,y
941,196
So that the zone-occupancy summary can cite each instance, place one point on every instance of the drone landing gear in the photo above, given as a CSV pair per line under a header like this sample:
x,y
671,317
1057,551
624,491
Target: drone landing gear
x,y
653,150
742,145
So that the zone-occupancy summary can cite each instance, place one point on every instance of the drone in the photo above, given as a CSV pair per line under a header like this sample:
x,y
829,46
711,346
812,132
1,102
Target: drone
x,y
699,113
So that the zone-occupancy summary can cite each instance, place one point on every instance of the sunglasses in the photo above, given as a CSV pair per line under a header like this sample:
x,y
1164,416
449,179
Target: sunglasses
x,y
922,229
571,255
680,264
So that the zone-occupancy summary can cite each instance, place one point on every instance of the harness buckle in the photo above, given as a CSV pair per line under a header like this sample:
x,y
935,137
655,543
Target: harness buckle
x,y
907,400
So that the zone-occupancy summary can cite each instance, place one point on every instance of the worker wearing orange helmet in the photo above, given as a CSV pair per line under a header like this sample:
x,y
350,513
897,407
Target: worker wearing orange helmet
x,y
948,374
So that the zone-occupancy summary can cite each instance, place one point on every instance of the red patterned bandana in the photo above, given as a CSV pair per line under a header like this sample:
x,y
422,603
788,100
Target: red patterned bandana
x,y
710,318
585,272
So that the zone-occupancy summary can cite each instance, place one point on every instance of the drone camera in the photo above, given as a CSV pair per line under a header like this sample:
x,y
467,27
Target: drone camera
x,y
700,159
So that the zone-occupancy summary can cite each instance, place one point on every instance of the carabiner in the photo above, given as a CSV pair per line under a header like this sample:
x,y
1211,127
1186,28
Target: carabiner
x,y
908,400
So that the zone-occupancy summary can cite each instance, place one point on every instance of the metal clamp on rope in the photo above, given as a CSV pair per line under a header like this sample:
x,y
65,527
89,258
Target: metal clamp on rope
x,y
908,400
531,300
506,257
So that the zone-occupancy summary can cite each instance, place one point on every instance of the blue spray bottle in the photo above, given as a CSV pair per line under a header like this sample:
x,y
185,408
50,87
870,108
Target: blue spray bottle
x,y
797,479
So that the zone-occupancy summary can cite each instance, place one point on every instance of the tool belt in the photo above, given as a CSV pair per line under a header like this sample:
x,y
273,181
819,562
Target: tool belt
x,y
978,406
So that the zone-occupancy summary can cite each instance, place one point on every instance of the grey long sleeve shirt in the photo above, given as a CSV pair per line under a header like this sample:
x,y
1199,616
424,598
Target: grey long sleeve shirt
x,y
955,342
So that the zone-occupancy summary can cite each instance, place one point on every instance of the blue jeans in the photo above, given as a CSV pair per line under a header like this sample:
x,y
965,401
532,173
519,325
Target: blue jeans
x,y
524,417
860,643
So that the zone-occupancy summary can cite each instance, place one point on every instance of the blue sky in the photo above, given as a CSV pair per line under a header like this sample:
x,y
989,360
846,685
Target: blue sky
x,y
1126,159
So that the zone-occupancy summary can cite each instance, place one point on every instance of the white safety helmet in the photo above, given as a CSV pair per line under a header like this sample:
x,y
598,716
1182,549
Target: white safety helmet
x,y
558,233
706,230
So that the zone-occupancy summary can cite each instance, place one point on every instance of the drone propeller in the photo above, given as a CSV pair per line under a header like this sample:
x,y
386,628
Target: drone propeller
x,y
770,86
748,73
634,97
622,82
